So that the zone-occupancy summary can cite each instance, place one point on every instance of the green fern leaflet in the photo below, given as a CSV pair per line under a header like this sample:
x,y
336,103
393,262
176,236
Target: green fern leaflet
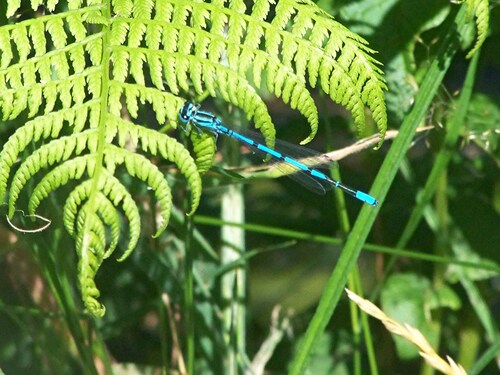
x,y
479,9
82,72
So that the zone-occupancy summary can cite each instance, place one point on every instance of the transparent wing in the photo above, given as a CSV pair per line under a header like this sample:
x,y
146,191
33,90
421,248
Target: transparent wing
x,y
303,155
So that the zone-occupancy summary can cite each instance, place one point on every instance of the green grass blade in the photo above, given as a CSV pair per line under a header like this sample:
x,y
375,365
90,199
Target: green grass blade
x,y
485,359
288,233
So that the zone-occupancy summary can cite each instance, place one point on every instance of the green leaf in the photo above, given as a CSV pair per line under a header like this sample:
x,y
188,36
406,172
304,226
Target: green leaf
x,y
483,117
479,9
403,299
443,297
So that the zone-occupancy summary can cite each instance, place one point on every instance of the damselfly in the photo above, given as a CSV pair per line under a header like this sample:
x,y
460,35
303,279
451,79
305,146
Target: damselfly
x,y
190,114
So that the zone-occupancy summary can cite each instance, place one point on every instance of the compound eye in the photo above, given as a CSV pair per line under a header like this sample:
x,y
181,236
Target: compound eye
x,y
185,112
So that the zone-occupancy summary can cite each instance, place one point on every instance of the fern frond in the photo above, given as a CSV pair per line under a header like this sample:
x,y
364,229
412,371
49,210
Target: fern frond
x,y
58,150
38,129
90,245
110,217
140,167
299,36
76,74
70,170
156,144
203,147
480,10
113,192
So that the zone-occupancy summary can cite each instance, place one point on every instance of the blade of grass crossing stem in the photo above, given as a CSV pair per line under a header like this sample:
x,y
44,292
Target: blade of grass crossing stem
x,y
366,218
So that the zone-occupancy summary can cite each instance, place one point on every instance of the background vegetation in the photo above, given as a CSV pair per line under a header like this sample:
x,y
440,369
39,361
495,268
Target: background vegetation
x,y
203,297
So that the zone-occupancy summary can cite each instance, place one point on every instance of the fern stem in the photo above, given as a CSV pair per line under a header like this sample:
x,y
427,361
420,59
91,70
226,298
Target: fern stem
x,y
105,75
189,256
386,175
188,292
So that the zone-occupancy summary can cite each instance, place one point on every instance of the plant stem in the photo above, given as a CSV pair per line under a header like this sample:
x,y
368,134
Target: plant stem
x,y
233,283
189,294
